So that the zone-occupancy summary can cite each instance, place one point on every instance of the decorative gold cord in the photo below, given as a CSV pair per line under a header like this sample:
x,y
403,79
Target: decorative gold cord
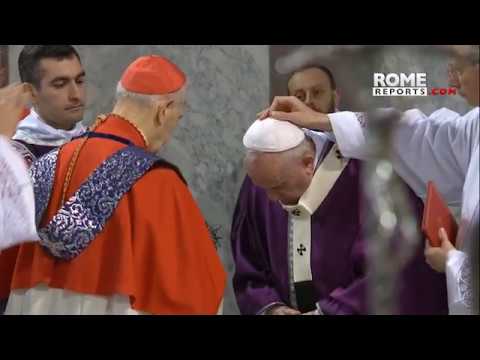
x,y
140,132
75,156
73,162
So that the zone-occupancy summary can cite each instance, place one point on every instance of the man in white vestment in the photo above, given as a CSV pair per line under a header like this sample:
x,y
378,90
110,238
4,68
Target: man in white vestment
x,y
17,208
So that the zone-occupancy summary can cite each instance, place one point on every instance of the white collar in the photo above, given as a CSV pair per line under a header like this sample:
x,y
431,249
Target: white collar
x,y
34,130
319,140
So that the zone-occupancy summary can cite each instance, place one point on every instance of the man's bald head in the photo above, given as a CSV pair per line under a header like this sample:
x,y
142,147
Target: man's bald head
x,y
464,72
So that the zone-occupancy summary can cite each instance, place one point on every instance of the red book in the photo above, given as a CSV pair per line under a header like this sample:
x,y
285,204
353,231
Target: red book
x,y
436,215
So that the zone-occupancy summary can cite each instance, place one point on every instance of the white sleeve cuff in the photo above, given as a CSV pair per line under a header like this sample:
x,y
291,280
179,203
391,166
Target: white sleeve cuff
x,y
456,299
17,200
263,311
349,134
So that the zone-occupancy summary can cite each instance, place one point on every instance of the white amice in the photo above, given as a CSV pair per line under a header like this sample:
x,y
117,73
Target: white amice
x,y
34,130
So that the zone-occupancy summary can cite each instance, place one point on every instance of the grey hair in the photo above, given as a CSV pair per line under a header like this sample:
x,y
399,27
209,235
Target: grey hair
x,y
295,153
121,92
470,53
288,157
299,151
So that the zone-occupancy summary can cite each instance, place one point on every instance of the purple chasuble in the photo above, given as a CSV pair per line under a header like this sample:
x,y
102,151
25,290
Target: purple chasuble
x,y
259,239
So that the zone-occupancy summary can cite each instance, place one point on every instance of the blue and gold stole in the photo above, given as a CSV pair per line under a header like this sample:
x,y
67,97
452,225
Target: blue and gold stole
x,y
84,215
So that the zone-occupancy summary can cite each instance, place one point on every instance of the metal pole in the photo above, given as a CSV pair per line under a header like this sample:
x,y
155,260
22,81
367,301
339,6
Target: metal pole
x,y
388,215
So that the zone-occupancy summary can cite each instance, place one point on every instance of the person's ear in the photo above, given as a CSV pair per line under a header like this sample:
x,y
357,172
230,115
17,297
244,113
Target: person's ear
x,y
308,161
33,91
161,110
336,99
